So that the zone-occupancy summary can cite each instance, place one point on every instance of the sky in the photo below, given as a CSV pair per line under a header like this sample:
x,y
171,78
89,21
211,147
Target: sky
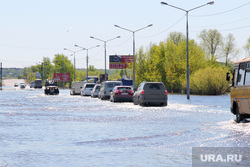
x,y
33,29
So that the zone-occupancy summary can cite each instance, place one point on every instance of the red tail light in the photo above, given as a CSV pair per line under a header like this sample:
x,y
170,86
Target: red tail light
x,y
117,92
166,92
142,92
104,92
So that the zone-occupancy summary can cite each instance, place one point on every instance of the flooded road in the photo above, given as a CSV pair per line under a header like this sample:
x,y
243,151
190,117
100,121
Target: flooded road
x,y
61,131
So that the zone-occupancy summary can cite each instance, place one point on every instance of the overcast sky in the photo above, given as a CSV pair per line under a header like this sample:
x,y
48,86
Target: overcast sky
x,y
33,29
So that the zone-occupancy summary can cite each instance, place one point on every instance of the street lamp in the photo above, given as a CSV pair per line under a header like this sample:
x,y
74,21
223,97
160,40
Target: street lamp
x,y
187,11
87,58
74,60
105,52
134,47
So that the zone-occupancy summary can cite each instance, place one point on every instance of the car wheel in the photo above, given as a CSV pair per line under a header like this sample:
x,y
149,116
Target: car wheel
x,y
140,103
238,116
164,104
114,100
134,100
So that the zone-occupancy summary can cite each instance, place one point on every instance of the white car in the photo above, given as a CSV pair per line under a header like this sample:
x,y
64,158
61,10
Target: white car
x,y
95,91
87,88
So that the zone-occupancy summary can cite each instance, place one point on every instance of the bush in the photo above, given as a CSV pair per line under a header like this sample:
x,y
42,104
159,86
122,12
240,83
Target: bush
x,y
209,81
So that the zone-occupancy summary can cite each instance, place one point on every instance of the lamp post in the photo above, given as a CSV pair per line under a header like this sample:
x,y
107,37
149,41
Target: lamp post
x,y
105,52
134,47
74,60
87,58
187,11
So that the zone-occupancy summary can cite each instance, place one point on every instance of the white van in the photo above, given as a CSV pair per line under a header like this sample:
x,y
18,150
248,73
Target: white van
x,y
76,87
106,88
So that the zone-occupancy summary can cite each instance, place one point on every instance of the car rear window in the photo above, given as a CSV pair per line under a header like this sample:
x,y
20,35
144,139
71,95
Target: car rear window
x,y
124,88
90,86
110,85
154,86
117,84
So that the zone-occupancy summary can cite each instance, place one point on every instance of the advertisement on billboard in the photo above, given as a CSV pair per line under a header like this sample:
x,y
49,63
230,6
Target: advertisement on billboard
x,y
119,61
59,76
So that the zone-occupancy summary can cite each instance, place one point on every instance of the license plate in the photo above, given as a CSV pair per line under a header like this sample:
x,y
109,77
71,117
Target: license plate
x,y
124,93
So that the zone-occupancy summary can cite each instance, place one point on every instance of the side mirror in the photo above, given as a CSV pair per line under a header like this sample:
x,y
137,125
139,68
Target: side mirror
x,y
228,76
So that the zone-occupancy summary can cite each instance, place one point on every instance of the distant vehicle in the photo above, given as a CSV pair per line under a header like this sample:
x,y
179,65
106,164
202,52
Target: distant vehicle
x,y
87,88
22,85
96,90
38,83
151,93
240,96
121,93
106,88
51,87
16,85
32,84
76,87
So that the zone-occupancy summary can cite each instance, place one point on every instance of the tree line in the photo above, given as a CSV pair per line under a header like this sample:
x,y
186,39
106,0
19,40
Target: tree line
x,y
167,62
209,61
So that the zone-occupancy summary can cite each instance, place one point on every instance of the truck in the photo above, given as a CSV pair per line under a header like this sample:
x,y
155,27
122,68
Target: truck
x,y
38,83
76,87
51,87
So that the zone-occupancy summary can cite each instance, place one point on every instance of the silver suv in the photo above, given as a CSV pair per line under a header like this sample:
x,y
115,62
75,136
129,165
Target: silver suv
x,y
106,88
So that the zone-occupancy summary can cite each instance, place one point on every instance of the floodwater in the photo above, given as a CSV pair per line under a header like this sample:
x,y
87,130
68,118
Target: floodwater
x,y
61,131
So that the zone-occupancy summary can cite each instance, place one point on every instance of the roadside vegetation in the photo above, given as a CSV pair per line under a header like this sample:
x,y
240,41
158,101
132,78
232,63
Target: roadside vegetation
x,y
209,61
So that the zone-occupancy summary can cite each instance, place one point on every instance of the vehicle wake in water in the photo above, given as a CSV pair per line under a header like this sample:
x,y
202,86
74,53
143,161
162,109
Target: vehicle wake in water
x,y
64,130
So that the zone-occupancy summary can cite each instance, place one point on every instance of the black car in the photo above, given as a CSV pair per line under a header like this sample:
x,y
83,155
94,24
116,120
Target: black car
x,y
51,87
151,93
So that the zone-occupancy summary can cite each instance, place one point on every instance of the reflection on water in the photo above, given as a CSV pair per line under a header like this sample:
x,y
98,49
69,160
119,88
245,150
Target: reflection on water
x,y
65,130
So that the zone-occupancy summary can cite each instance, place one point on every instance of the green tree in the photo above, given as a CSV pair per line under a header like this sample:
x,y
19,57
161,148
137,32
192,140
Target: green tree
x,y
167,61
176,37
247,47
64,65
211,41
229,48
209,81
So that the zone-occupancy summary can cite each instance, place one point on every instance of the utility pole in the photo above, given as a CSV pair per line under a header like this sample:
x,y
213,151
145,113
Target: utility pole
x,y
63,73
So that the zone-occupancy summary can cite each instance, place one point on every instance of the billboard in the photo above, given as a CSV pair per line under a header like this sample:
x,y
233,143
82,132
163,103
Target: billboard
x,y
59,76
119,61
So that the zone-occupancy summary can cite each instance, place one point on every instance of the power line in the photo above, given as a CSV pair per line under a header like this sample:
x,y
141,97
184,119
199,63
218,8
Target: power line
x,y
223,23
26,47
163,30
230,29
221,12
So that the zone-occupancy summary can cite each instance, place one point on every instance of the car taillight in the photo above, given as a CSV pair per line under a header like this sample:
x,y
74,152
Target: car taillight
x,y
166,92
142,92
104,92
74,89
117,92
